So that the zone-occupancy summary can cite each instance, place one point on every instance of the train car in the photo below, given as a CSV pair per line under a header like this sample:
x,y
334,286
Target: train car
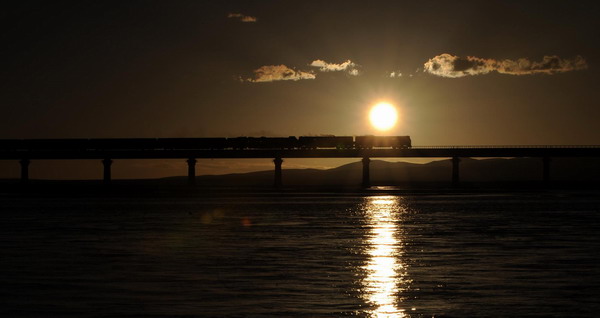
x,y
237,143
81,144
12,144
271,142
290,142
53,144
404,142
314,142
122,144
394,142
192,143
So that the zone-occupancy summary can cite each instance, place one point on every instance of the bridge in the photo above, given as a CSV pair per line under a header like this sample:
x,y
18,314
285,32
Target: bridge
x,y
131,149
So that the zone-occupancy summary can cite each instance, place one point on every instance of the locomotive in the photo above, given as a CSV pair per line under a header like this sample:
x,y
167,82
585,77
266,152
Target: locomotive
x,y
236,143
358,142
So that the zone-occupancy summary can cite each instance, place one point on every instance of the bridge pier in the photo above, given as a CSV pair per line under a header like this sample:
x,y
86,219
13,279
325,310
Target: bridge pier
x,y
366,177
107,175
278,178
24,170
191,171
546,170
455,170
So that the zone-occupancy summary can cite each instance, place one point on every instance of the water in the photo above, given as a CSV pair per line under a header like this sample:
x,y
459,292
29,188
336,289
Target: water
x,y
301,256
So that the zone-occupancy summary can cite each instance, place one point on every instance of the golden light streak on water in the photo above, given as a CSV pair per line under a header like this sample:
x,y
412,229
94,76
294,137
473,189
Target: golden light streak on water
x,y
385,270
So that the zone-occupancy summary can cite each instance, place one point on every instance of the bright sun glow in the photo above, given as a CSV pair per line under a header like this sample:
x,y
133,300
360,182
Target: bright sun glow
x,y
383,116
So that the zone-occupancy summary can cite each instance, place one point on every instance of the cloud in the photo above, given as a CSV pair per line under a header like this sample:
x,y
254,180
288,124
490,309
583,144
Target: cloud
x,y
447,65
270,73
347,66
549,65
241,17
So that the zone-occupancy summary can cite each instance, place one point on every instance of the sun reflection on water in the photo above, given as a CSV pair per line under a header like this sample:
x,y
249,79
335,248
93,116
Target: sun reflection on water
x,y
385,278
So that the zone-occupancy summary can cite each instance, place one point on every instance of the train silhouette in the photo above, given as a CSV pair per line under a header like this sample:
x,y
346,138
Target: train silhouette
x,y
235,143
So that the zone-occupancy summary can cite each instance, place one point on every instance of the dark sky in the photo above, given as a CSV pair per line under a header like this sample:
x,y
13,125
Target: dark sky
x,y
473,72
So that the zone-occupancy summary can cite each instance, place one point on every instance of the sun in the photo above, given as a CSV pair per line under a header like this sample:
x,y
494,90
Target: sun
x,y
383,116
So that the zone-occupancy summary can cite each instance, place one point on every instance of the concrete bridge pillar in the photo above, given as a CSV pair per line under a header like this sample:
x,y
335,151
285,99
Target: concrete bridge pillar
x,y
366,176
191,171
278,179
24,170
455,170
107,163
546,169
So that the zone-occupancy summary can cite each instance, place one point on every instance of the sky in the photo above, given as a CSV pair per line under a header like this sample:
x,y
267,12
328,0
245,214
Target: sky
x,y
459,73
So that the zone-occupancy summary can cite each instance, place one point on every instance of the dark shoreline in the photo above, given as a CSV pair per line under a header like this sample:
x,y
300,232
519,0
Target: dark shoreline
x,y
162,188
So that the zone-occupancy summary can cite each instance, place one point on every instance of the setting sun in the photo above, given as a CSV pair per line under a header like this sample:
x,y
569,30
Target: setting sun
x,y
383,116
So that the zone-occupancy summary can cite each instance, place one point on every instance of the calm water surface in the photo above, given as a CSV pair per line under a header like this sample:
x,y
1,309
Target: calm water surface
x,y
302,255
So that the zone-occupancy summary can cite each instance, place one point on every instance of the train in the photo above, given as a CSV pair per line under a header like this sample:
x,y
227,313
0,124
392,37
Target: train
x,y
235,143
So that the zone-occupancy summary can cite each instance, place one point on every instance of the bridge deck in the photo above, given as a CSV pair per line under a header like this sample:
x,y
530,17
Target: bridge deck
x,y
415,152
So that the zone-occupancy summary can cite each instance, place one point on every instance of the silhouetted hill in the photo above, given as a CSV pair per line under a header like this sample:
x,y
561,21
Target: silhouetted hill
x,y
391,173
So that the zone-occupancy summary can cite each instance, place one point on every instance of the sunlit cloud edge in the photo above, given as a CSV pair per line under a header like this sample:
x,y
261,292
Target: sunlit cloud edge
x,y
452,66
272,73
242,17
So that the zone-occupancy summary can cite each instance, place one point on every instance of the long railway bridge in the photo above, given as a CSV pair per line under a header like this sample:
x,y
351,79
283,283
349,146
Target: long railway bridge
x,y
134,149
